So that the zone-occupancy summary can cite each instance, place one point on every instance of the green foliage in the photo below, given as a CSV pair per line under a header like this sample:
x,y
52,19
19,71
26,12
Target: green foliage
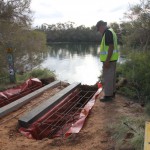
x,y
4,78
15,32
136,71
42,73
147,109
138,141
128,91
4,82
116,27
22,78
66,32
36,73
29,49
128,132
136,30
17,11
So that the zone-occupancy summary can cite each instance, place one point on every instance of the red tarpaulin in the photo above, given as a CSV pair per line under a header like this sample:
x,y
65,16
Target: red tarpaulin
x,y
57,122
13,94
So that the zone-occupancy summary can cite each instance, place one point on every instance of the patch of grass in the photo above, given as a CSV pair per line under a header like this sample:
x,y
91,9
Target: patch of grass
x,y
128,91
2,87
42,73
135,71
36,73
4,81
138,140
129,133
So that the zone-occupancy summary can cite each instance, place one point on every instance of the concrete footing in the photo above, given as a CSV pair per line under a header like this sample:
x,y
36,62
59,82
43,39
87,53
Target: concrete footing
x,y
24,100
36,113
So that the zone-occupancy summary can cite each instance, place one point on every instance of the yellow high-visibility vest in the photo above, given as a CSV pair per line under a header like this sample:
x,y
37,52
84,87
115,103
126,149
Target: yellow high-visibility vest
x,y
104,48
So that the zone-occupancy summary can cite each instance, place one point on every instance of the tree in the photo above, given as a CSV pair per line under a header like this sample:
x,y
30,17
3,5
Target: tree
x,y
16,11
67,32
139,20
14,15
116,27
29,49
16,32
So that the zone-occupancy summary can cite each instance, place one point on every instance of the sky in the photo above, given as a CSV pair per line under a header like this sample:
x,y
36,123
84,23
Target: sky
x,y
81,12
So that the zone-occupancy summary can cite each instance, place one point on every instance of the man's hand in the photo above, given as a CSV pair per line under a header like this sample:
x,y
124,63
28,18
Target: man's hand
x,y
106,64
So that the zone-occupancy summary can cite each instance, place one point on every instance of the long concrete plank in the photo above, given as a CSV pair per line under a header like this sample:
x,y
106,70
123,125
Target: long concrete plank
x,y
36,113
24,100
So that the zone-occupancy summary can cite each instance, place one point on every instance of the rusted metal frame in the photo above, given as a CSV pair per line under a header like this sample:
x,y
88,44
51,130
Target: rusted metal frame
x,y
18,94
69,109
55,114
68,122
56,124
82,104
75,113
55,128
25,109
62,106
67,103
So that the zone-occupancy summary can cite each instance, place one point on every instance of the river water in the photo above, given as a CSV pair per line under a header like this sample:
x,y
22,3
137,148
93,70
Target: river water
x,y
74,62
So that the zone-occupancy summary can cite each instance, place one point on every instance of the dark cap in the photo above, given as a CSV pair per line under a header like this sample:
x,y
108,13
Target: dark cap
x,y
101,23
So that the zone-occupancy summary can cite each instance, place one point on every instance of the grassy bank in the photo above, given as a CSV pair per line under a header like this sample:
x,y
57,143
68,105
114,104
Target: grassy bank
x,y
20,78
136,72
36,73
129,131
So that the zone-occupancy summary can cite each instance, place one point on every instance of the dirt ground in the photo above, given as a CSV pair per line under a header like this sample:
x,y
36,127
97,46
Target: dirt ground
x,y
93,136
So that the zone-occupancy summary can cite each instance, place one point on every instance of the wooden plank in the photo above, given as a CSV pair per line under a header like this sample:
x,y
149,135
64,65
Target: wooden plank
x,y
147,136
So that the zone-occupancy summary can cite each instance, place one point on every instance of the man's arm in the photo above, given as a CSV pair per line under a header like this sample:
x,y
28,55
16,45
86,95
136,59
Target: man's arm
x,y
110,52
109,41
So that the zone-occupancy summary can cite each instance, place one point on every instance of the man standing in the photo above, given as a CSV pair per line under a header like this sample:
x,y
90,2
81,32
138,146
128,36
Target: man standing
x,y
109,56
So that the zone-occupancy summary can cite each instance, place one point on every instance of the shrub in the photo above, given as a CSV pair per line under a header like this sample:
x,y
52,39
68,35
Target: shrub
x,y
36,73
136,71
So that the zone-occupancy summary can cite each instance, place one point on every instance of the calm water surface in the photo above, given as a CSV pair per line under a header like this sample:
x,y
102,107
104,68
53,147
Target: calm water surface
x,y
74,62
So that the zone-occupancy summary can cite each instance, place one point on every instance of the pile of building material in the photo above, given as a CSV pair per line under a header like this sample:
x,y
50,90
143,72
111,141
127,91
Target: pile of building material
x,y
62,114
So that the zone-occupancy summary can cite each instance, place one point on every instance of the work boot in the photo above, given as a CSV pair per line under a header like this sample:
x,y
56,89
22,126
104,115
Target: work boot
x,y
106,99
114,95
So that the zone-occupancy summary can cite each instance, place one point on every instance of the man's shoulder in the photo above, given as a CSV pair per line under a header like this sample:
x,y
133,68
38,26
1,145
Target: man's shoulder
x,y
108,30
108,36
